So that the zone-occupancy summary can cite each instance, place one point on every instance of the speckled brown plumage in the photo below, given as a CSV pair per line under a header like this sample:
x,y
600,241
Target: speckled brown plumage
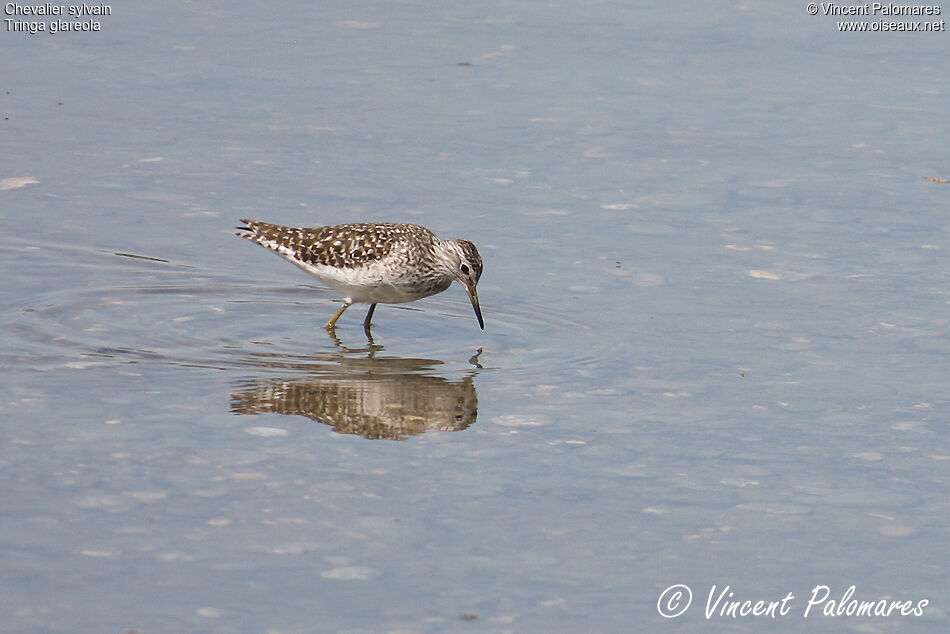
x,y
374,262
340,246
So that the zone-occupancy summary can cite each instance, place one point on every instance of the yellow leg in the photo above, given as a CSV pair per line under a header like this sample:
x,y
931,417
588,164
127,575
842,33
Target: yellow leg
x,y
332,323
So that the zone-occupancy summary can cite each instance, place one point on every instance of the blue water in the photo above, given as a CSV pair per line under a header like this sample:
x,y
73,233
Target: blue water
x,y
715,295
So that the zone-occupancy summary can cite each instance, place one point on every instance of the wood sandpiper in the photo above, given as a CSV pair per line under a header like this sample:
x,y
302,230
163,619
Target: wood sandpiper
x,y
374,263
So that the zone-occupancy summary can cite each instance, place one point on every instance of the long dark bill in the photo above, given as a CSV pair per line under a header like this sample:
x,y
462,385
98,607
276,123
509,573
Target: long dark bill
x,y
472,295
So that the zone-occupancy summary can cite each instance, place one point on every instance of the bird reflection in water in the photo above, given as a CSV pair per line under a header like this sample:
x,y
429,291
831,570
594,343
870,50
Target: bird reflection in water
x,y
373,400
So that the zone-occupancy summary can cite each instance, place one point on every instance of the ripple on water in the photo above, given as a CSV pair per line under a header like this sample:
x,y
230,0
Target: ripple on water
x,y
417,372
110,307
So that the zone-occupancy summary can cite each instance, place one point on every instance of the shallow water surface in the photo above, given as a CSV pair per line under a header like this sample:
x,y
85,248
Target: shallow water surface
x,y
715,299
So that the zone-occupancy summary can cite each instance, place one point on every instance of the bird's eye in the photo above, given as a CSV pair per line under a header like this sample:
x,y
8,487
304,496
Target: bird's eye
x,y
464,269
